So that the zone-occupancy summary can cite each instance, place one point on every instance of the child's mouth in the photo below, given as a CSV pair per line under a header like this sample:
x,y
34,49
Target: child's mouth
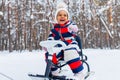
x,y
62,20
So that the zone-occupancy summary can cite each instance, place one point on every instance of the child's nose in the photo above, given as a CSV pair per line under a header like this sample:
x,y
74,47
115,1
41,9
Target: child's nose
x,y
62,15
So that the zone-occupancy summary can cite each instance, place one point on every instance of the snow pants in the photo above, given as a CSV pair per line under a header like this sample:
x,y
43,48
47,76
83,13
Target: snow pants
x,y
70,56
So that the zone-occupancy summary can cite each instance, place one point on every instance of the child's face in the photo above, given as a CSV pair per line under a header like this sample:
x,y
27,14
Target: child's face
x,y
62,17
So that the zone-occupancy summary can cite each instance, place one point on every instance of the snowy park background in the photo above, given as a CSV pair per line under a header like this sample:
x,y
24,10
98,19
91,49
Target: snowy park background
x,y
24,23
16,65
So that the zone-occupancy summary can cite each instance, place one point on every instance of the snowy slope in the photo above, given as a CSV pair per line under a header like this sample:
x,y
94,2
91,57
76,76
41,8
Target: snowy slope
x,y
16,65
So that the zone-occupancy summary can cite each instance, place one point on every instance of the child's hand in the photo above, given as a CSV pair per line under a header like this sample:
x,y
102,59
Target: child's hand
x,y
73,28
45,49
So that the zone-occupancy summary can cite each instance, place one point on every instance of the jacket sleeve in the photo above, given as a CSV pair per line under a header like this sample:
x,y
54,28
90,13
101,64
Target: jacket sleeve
x,y
54,35
50,37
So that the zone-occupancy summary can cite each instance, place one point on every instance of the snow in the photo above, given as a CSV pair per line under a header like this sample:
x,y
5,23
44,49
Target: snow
x,y
1,13
105,63
17,65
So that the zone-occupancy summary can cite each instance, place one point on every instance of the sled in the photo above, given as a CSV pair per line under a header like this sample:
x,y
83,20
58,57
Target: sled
x,y
51,46
88,76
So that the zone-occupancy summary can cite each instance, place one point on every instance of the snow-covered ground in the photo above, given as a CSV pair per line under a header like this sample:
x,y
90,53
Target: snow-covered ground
x,y
105,63
17,65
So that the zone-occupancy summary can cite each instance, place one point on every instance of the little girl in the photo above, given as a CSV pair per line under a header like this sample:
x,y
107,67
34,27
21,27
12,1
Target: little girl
x,y
65,30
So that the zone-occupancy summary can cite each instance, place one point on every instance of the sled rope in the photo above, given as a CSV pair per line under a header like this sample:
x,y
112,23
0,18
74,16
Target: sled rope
x,y
6,76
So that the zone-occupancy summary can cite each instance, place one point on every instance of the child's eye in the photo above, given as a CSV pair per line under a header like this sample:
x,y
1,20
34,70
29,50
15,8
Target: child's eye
x,y
59,15
62,15
65,15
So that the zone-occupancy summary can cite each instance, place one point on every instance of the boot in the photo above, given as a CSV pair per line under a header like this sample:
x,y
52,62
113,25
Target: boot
x,y
72,78
80,75
57,73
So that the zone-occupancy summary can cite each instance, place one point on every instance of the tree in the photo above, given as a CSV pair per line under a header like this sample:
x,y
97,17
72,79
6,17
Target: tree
x,y
24,23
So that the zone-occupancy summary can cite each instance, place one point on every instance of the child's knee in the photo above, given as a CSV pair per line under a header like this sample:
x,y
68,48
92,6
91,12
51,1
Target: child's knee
x,y
75,65
70,54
